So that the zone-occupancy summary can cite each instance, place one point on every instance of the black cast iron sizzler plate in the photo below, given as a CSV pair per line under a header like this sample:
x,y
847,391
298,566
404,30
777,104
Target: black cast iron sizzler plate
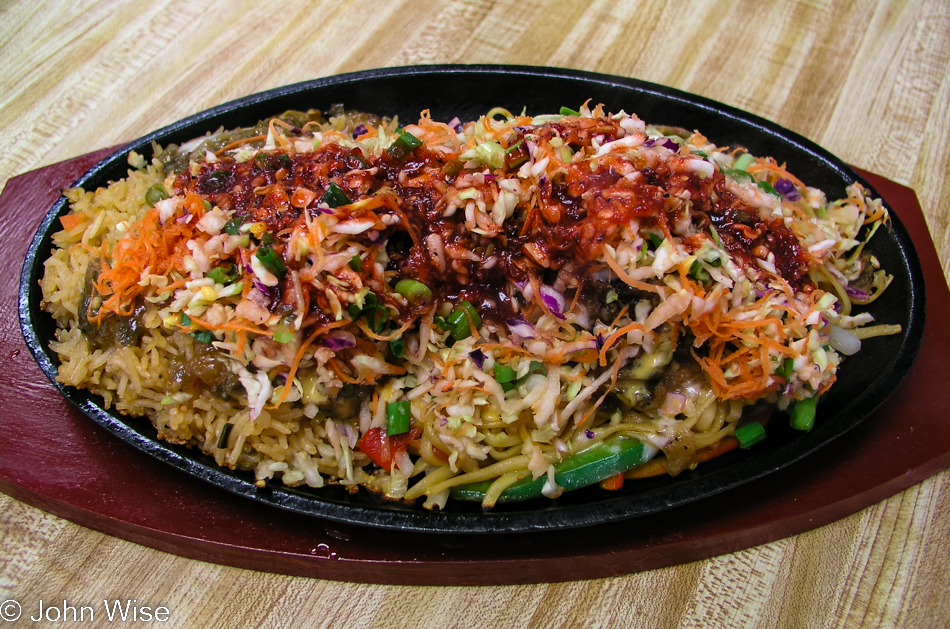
x,y
467,91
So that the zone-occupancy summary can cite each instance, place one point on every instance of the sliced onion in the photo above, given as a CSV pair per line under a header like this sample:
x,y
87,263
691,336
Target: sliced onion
x,y
844,341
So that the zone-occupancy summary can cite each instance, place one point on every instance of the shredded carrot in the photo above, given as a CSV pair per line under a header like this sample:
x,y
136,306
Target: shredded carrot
x,y
613,483
778,170
239,143
241,340
300,352
625,277
71,221
236,325
610,340
388,337
657,467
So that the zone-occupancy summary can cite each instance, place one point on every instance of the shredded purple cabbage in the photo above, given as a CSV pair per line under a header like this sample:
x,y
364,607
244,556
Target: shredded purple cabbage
x,y
787,189
358,131
259,285
670,144
856,293
520,327
339,340
553,300
478,357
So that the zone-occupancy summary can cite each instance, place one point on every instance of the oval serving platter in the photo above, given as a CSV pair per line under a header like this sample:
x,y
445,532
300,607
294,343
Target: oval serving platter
x,y
467,91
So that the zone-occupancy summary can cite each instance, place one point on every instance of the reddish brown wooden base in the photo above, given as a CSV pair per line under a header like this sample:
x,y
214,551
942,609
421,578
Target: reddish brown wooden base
x,y
53,457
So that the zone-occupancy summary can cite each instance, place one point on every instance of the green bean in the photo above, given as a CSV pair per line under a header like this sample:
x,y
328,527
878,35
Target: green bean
x,y
593,465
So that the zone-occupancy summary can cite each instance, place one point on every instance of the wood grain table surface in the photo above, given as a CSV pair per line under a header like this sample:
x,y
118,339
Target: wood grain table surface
x,y
869,81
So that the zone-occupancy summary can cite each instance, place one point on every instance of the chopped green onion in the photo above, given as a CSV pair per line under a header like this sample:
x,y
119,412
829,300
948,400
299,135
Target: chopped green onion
x,y
334,196
397,418
715,235
740,176
223,437
221,274
452,168
204,336
743,162
185,319
233,226
271,260
515,160
489,153
699,273
415,292
534,367
458,322
403,145
655,239
268,239
356,263
155,193
801,413
507,377
567,111
504,374
786,368
376,314
750,434
397,347
514,146
284,336
765,186
285,160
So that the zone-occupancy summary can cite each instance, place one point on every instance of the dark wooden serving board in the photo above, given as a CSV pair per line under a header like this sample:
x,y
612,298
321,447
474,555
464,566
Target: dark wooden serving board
x,y
53,457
